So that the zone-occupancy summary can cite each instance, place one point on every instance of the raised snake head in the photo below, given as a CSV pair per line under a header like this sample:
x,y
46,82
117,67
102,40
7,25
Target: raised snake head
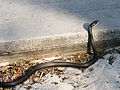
x,y
94,23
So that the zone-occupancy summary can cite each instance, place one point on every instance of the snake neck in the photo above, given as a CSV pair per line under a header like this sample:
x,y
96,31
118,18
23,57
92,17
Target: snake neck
x,y
90,39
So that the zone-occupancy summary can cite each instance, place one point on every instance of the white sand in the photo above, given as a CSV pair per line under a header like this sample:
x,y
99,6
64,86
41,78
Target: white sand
x,y
100,76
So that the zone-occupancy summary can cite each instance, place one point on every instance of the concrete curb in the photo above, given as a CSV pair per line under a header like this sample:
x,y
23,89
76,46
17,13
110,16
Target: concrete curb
x,y
52,42
38,48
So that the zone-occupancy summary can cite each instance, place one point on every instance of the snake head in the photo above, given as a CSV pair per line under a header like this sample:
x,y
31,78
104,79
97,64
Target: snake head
x,y
94,23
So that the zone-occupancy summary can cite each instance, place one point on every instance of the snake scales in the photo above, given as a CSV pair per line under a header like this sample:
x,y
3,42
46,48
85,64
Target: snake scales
x,y
33,69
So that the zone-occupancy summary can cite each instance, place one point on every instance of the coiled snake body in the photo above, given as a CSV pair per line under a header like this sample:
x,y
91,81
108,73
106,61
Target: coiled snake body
x,y
33,69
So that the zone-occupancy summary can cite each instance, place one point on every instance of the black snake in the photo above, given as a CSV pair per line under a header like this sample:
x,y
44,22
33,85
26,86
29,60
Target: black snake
x,y
33,69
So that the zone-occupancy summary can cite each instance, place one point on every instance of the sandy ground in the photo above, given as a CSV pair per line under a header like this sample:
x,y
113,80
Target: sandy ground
x,y
100,76
103,75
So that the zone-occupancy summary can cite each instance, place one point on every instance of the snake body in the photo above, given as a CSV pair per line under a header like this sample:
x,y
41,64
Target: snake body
x,y
33,69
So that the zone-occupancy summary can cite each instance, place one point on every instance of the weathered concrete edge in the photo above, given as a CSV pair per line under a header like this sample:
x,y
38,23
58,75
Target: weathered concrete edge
x,y
107,38
56,45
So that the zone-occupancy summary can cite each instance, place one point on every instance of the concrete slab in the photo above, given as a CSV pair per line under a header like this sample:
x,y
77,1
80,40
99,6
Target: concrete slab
x,y
28,25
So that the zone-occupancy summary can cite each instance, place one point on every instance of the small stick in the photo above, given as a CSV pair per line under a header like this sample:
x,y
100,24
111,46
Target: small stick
x,y
41,75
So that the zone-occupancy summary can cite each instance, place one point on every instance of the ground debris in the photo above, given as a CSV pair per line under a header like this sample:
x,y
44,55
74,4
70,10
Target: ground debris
x,y
16,69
